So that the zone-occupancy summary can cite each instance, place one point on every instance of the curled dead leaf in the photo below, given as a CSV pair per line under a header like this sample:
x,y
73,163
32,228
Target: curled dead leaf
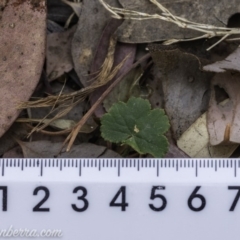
x,y
224,117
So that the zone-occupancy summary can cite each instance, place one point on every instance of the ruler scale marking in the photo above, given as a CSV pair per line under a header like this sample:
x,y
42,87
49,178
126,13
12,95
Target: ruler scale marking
x,y
196,173
115,194
3,167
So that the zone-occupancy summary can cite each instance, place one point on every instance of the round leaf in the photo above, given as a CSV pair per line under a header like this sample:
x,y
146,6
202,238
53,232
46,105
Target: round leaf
x,y
135,124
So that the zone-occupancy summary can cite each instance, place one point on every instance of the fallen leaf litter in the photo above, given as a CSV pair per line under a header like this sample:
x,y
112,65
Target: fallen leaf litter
x,y
197,88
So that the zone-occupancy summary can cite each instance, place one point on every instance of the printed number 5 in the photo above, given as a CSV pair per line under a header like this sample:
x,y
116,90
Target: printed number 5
x,y
154,195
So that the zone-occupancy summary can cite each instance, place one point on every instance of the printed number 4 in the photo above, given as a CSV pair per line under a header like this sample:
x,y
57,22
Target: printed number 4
x,y
121,192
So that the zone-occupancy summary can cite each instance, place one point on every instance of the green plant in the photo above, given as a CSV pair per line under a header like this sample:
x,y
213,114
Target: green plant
x,y
135,124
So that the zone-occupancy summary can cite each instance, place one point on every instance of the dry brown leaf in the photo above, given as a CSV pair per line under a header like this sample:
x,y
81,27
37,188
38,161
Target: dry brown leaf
x,y
174,151
123,90
22,52
185,86
15,152
46,149
224,119
7,141
59,57
212,12
154,83
91,23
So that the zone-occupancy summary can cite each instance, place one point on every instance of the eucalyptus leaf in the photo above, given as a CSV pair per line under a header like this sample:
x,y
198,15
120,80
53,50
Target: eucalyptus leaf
x,y
135,124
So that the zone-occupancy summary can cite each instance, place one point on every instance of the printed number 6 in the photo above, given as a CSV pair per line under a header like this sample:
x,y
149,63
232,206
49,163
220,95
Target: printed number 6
x,y
200,197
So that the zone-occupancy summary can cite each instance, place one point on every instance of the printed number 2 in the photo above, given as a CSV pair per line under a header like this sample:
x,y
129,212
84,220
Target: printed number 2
x,y
122,204
4,198
38,207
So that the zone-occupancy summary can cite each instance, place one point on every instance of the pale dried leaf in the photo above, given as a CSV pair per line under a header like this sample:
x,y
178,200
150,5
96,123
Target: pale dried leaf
x,y
224,119
62,124
195,142
230,63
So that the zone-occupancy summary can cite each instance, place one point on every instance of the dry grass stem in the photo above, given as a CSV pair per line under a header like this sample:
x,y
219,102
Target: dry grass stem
x,y
63,103
108,62
106,74
209,31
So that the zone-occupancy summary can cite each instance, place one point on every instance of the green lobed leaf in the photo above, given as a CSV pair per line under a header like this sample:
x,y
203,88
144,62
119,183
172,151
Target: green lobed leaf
x,y
135,124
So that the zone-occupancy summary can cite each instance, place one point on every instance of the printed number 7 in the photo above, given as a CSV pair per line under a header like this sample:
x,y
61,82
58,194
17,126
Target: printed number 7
x,y
236,198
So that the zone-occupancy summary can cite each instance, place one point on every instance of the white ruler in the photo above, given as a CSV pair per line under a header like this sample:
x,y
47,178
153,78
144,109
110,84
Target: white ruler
x,y
120,199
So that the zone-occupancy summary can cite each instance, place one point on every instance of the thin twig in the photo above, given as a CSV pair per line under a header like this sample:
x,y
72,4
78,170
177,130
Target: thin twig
x,y
215,44
72,136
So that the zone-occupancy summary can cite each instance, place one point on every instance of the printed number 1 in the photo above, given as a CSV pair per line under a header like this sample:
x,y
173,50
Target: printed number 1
x,y
4,198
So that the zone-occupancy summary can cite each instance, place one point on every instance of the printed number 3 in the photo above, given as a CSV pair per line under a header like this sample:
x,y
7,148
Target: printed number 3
x,y
82,198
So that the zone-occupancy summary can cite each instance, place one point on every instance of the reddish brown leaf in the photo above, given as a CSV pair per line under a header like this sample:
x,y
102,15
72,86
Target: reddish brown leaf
x,y
22,52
